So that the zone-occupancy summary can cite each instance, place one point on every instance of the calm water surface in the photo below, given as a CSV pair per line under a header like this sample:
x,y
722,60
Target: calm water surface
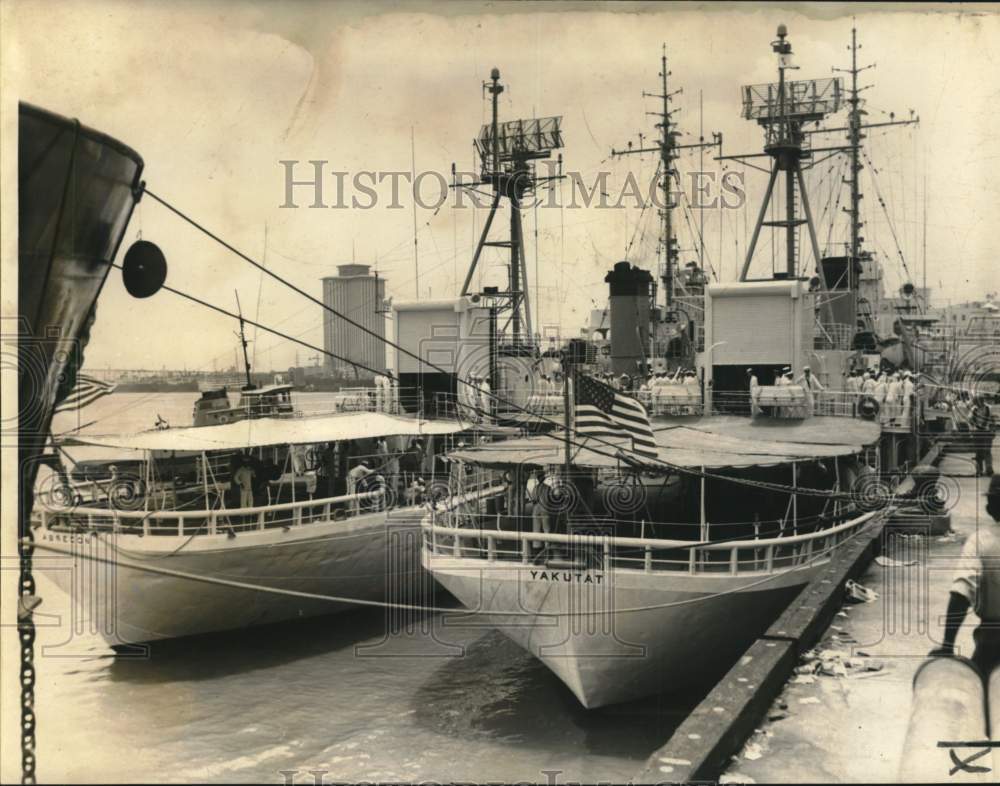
x,y
333,694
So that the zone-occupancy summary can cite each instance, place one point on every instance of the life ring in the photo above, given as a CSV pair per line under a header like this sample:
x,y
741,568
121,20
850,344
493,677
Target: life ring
x,y
868,407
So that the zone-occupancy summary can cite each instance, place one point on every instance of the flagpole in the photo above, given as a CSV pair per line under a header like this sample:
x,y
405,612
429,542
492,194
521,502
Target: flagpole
x,y
703,534
568,409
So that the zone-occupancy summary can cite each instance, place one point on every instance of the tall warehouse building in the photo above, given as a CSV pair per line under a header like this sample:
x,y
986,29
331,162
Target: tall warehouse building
x,y
359,295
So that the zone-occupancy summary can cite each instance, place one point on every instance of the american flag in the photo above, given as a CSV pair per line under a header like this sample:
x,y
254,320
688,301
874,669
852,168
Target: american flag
x,y
601,411
87,391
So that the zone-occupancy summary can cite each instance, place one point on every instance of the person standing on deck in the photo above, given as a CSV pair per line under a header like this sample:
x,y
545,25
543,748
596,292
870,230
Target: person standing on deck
x,y
354,477
244,479
782,380
908,390
868,384
854,390
810,385
879,393
534,506
754,393
392,394
981,426
893,398
977,586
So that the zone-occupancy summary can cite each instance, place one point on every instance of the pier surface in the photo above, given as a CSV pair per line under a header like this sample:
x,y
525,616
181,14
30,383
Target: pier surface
x,y
824,695
850,727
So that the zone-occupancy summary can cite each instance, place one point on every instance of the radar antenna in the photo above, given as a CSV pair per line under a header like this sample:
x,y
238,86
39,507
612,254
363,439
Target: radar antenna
x,y
506,153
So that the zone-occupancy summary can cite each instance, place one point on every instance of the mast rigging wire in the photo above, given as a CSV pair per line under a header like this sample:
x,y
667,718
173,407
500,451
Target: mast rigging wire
x,y
220,310
618,454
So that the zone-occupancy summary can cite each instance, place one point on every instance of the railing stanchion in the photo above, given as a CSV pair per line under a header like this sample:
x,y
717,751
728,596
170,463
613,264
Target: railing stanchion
x,y
648,560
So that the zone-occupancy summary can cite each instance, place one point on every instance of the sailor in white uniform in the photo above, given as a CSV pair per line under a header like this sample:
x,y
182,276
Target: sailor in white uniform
x,y
893,398
879,393
853,387
754,393
908,390
783,380
868,384
810,385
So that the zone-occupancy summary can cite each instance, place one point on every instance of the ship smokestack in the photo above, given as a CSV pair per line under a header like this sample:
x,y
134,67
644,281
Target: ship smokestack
x,y
629,295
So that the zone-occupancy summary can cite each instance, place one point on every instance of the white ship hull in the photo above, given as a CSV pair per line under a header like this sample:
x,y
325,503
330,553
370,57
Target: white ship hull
x,y
616,636
132,589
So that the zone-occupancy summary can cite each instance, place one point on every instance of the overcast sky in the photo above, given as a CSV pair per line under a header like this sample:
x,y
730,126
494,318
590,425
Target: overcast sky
x,y
215,94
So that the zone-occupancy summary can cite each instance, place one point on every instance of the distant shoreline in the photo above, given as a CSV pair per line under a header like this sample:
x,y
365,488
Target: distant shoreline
x,y
196,386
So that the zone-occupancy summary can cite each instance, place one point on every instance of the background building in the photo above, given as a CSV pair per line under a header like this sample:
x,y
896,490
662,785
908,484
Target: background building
x,y
359,295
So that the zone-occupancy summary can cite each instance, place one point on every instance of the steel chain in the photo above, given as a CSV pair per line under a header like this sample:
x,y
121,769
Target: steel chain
x,y
26,636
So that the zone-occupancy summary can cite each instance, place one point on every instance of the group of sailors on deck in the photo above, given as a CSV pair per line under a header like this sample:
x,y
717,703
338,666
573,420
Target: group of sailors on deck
x,y
663,393
807,381
672,394
893,392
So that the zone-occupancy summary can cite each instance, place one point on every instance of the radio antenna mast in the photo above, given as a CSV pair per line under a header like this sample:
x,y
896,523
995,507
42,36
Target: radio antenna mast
x,y
667,148
782,109
243,340
507,152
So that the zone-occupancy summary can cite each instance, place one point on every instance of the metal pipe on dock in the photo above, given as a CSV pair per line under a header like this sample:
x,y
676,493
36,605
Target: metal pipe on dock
x,y
949,705
993,695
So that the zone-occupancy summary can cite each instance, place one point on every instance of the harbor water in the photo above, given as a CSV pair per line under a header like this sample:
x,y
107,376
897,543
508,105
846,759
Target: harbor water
x,y
445,699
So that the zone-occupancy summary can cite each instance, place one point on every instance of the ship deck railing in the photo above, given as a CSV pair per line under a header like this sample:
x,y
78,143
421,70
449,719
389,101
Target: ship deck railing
x,y
605,552
469,405
893,416
184,523
391,401
103,515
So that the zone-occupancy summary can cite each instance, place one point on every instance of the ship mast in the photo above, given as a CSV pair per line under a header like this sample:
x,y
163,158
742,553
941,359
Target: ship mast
x,y
854,129
667,148
507,152
782,109
243,340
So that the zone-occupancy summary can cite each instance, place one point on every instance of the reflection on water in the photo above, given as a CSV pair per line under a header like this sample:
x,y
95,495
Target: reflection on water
x,y
237,652
326,694
308,695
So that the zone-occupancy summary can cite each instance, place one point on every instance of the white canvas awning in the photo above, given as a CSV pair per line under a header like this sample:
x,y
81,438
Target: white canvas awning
x,y
714,442
261,432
